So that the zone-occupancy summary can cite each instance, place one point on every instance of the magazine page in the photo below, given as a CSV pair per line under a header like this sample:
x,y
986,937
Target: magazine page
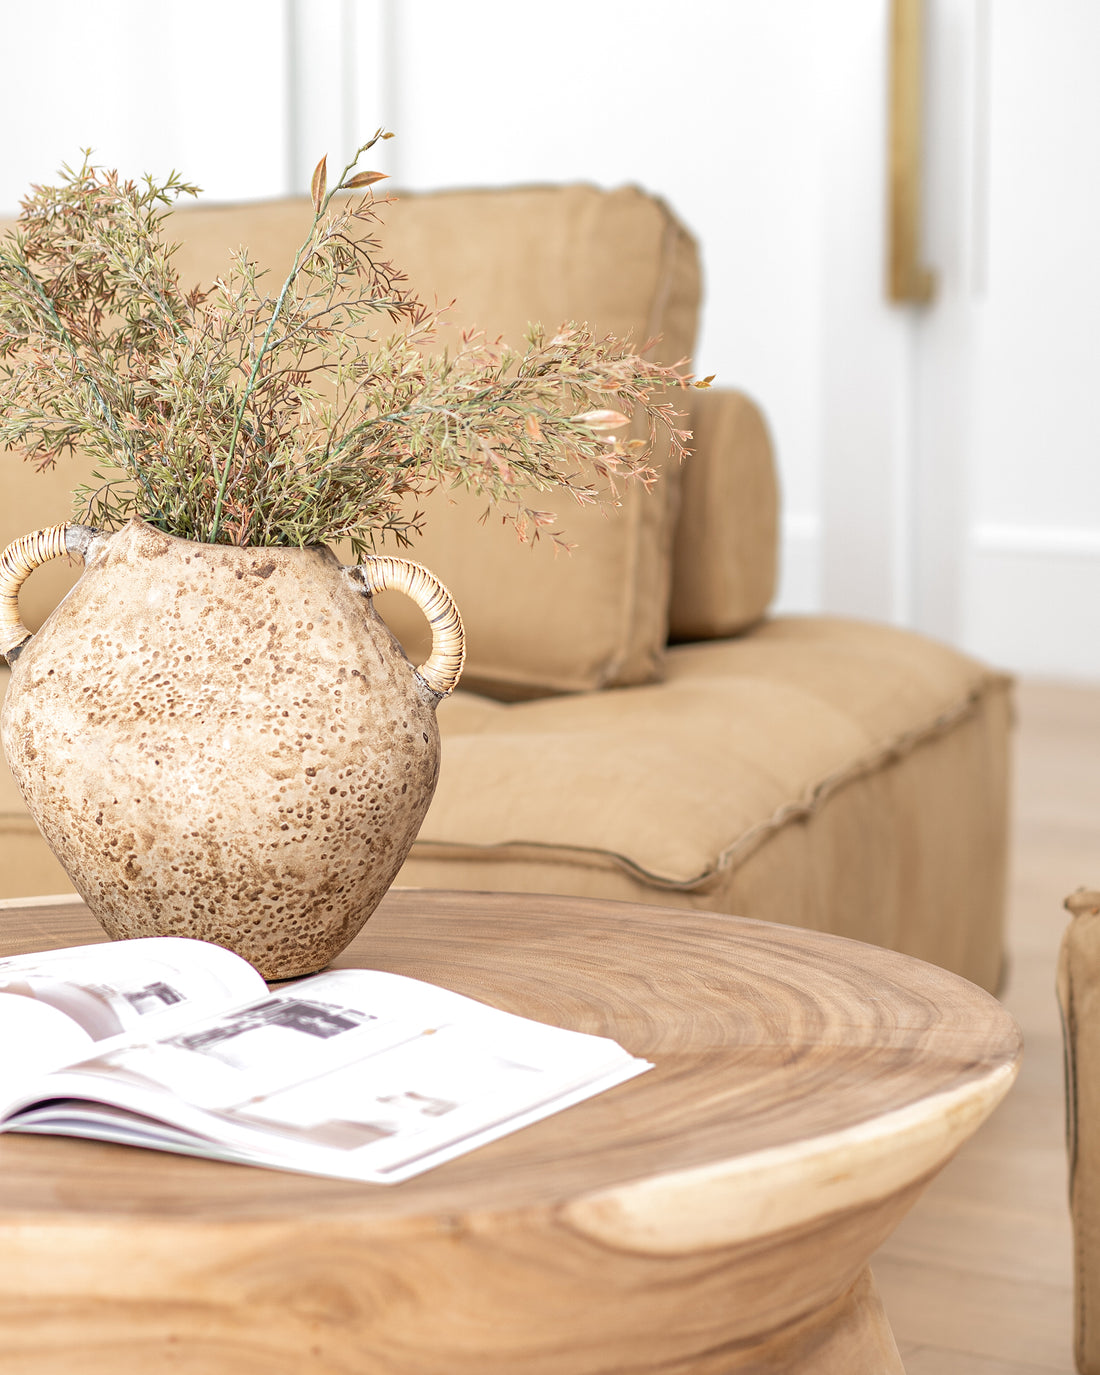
x,y
356,1074
35,1038
56,1005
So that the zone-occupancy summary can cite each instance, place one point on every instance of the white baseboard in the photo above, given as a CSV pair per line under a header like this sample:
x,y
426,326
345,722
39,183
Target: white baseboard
x,y
1046,541
1032,600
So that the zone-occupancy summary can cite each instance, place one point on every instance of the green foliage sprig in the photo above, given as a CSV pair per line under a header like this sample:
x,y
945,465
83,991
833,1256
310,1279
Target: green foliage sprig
x,y
228,415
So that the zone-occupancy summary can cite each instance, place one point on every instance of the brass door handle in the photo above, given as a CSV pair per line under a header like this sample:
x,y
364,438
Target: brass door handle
x,y
908,280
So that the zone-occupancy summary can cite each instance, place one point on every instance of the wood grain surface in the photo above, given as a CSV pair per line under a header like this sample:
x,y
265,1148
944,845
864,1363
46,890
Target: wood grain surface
x,y
715,1215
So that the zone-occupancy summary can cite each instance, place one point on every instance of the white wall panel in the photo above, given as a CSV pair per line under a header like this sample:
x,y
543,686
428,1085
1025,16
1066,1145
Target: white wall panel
x,y
956,160
716,109
864,346
197,85
799,587
1032,598
1038,396
1036,610
339,85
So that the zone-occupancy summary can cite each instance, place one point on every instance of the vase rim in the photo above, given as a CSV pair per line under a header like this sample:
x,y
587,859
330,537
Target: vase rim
x,y
139,526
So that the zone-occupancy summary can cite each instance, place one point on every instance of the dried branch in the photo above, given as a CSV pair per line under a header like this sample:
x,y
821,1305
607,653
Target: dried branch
x,y
227,415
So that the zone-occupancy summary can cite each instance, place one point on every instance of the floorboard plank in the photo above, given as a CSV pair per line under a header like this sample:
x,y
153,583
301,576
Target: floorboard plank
x,y
935,1360
977,1315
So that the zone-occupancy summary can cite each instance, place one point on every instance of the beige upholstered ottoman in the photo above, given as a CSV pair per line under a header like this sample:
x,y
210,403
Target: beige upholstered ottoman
x,y
832,774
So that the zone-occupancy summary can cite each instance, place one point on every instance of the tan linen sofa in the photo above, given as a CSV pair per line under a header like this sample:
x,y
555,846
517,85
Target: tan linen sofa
x,y
632,724
1079,997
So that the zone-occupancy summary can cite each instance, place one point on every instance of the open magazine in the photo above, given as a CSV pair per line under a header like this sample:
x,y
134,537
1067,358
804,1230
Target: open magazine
x,y
178,1045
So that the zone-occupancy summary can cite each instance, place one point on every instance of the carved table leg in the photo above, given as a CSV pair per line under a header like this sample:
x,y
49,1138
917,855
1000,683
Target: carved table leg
x,y
850,1337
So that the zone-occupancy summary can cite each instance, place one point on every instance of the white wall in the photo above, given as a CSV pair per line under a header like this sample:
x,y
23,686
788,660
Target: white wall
x,y
199,85
938,465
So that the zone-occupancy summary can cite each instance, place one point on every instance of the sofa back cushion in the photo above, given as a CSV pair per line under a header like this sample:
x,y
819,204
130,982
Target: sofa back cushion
x,y
725,554
618,260
538,621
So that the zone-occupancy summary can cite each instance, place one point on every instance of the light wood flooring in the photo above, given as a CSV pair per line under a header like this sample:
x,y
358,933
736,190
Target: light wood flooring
x,y
978,1279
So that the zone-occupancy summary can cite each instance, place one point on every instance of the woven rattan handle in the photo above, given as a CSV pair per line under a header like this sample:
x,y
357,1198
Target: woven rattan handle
x,y
18,562
441,671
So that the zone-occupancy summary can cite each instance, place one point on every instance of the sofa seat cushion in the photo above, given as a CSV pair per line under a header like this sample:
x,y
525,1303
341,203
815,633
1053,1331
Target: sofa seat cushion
x,y
845,777
678,780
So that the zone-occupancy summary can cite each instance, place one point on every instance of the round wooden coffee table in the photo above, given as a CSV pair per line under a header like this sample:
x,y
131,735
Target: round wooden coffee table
x,y
715,1215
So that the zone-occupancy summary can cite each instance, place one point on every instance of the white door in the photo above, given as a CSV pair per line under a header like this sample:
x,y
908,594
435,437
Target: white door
x,y
959,473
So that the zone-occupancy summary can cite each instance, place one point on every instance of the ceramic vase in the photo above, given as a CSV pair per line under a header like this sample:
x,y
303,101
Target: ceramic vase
x,y
221,742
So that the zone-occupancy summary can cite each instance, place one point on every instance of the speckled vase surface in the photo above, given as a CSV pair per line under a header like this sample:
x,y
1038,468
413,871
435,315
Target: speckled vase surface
x,y
224,742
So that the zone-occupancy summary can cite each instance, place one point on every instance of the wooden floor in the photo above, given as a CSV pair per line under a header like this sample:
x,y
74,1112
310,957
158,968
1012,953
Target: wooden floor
x,y
978,1279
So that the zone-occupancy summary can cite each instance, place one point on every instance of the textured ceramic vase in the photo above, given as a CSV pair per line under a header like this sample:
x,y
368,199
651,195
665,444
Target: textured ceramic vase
x,y
224,743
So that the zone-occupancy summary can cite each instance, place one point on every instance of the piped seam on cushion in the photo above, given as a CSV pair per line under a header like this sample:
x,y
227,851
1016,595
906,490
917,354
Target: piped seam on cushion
x,y
750,840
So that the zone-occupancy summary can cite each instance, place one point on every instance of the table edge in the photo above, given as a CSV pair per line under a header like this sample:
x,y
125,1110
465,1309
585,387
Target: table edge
x,y
773,1190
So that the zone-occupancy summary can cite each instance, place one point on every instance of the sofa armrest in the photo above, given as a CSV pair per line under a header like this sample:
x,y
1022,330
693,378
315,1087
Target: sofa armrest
x,y
725,551
1079,997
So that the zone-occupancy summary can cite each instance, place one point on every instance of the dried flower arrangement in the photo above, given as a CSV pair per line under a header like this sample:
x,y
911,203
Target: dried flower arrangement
x,y
231,416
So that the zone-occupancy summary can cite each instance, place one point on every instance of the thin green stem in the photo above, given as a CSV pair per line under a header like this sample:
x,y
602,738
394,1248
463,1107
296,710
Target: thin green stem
x,y
223,480
65,338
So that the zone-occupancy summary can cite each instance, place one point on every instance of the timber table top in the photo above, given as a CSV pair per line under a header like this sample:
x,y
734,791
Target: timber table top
x,y
715,1214
765,1039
